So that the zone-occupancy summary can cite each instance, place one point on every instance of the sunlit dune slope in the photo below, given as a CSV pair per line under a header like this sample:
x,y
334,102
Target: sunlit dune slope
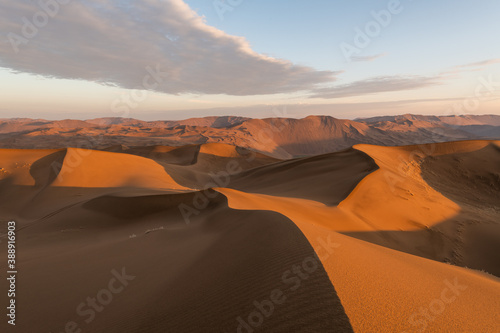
x,y
381,289
209,229
91,168
22,166
213,165
390,286
183,277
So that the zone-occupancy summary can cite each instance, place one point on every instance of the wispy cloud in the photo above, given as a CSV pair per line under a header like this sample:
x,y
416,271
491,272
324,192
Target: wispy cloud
x,y
472,67
480,64
115,41
376,85
367,58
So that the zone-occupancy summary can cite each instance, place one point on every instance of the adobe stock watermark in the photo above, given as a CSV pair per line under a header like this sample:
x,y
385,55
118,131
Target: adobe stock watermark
x,y
224,6
292,279
31,26
103,298
71,162
131,100
123,106
425,315
485,87
372,29
405,165
11,272
202,198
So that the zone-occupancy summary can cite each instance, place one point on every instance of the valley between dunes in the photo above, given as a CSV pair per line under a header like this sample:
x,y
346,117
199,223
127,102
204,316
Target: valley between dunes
x,y
367,239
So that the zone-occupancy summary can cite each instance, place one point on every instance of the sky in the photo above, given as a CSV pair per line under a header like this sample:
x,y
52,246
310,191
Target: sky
x,y
176,59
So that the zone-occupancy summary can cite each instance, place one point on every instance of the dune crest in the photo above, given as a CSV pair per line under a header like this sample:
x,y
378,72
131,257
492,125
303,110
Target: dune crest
x,y
368,239
91,168
394,197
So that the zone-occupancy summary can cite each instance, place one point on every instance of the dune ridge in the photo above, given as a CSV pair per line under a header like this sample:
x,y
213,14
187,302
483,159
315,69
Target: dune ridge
x,y
391,230
413,205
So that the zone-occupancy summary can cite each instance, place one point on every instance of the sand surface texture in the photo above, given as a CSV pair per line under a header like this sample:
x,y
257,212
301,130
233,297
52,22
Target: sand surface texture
x,y
218,238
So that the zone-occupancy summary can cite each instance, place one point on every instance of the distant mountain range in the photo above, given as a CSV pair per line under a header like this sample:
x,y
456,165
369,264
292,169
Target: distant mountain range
x,y
277,137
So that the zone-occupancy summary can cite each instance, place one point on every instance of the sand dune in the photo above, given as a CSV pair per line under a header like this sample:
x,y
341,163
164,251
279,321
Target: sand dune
x,y
91,168
408,203
218,238
20,166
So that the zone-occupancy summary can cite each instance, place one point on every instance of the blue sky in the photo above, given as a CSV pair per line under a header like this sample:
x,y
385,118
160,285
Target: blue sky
x,y
249,57
425,36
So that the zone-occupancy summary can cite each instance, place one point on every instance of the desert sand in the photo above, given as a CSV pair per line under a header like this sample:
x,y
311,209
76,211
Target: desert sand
x,y
218,238
282,138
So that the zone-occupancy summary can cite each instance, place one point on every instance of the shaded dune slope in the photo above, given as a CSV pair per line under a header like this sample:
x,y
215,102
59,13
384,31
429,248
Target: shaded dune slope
x,y
380,222
340,172
188,276
392,201
207,274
